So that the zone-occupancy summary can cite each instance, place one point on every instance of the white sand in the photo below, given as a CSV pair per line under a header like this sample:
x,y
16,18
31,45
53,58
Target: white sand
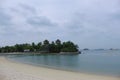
x,y
18,71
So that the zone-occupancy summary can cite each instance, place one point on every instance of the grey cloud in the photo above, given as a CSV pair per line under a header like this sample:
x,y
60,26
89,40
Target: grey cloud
x,y
77,24
94,28
28,8
31,17
1,2
5,23
90,23
115,16
24,10
40,21
5,19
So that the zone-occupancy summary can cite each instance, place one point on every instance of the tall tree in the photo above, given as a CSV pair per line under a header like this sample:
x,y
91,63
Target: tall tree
x,y
58,42
58,46
46,42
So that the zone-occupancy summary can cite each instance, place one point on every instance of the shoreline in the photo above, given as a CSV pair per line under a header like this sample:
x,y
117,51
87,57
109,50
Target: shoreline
x,y
41,53
57,68
30,72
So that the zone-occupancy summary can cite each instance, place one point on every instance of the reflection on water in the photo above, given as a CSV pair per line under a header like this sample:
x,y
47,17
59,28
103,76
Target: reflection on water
x,y
100,62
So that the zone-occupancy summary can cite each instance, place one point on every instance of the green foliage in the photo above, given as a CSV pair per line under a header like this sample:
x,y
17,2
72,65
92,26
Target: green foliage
x,y
46,42
45,46
69,47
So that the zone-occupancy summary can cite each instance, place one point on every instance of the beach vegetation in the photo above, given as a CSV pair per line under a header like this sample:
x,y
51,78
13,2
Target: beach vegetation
x,y
44,47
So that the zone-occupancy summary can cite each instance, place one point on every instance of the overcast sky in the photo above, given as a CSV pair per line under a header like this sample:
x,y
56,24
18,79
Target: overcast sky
x,y
88,23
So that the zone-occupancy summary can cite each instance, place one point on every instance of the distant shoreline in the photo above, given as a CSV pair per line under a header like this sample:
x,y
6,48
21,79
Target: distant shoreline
x,y
61,53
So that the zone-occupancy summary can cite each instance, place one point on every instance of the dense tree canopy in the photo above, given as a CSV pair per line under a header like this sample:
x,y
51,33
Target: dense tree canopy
x,y
45,47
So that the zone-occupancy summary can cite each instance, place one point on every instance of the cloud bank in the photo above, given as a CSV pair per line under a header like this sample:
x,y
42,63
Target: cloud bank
x,y
89,23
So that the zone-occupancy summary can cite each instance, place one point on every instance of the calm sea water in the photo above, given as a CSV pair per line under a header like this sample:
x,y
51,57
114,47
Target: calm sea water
x,y
105,62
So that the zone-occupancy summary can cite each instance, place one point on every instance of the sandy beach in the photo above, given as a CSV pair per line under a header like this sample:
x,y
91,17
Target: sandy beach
x,y
17,71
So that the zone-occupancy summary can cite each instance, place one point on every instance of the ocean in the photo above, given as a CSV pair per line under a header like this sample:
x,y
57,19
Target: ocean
x,y
103,62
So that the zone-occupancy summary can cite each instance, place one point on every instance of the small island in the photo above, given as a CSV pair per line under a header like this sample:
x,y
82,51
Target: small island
x,y
44,47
